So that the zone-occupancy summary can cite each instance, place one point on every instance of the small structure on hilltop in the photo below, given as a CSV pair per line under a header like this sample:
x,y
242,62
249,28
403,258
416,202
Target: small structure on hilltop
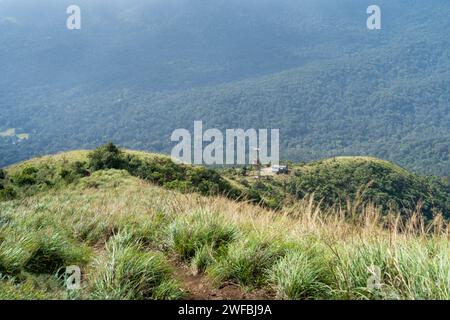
x,y
277,169
257,164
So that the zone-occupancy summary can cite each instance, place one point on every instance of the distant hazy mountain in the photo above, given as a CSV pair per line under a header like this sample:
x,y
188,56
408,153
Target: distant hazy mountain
x,y
137,70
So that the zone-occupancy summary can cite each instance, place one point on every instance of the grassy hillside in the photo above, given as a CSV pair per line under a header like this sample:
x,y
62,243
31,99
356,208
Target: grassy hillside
x,y
45,173
343,181
134,239
333,182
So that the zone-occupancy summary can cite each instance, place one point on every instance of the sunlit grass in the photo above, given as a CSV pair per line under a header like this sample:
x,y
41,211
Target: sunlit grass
x,y
123,232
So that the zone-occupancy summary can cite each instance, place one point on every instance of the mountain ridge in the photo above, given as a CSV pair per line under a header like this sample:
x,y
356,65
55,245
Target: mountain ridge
x,y
329,182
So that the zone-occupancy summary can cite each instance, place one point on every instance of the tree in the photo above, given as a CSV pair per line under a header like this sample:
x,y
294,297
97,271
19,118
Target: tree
x,y
2,174
107,156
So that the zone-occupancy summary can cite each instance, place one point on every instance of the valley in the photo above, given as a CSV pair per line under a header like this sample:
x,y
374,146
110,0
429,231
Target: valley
x,y
224,150
332,89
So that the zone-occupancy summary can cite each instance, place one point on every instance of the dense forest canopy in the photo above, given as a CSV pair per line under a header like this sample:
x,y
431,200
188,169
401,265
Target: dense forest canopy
x,y
137,70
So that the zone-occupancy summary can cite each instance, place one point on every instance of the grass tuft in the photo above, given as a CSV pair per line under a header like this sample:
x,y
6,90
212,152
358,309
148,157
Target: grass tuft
x,y
191,233
247,261
297,276
128,273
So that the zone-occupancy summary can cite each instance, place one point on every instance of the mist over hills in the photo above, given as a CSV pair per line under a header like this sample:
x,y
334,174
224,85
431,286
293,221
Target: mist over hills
x,y
137,70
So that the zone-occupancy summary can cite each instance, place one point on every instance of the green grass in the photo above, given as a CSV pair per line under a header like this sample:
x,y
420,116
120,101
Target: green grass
x,y
43,251
31,288
130,273
50,252
246,262
300,276
188,235
125,233
204,257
